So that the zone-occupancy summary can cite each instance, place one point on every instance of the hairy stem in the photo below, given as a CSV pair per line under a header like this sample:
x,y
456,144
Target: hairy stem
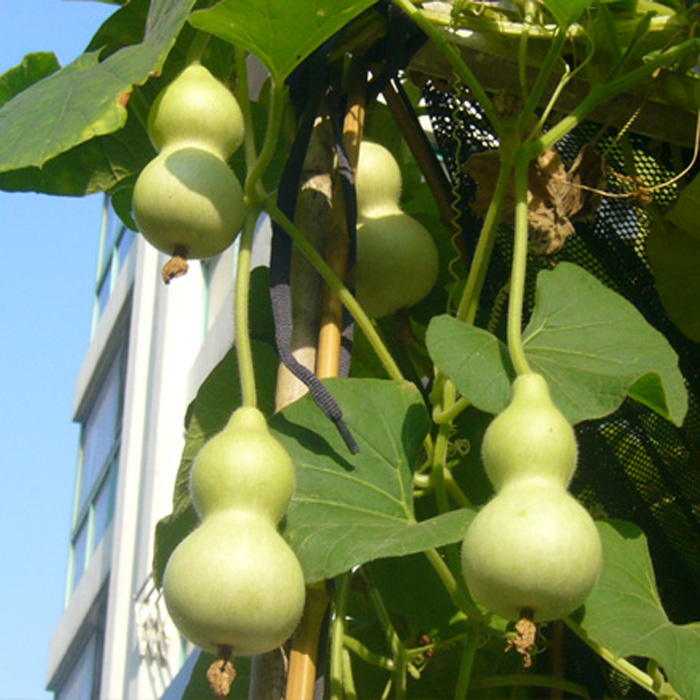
x,y
243,347
519,268
253,192
467,664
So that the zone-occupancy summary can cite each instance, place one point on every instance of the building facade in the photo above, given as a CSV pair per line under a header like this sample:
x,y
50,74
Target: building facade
x,y
151,347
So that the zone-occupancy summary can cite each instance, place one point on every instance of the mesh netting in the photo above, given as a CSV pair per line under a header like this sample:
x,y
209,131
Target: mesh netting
x,y
634,464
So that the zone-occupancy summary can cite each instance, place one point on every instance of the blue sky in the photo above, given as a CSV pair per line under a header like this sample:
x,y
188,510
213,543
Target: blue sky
x,y
48,248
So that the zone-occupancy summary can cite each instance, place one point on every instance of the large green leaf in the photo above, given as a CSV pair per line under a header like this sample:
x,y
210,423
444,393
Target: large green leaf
x,y
350,509
591,344
624,612
280,33
86,98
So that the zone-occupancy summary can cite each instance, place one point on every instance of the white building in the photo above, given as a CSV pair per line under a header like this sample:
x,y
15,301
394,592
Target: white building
x,y
152,345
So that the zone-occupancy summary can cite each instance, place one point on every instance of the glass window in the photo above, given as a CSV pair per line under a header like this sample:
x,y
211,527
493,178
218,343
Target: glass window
x,y
97,469
81,680
115,243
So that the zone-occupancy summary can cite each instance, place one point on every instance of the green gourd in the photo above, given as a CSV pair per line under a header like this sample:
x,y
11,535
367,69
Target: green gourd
x,y
397,259
187,201
233,584
533,548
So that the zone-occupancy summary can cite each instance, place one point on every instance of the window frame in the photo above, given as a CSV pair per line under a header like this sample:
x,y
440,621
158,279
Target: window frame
x,y
84,517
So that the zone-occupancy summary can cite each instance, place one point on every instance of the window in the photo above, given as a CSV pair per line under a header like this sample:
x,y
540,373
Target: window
x,y
115,243
81,680
97,470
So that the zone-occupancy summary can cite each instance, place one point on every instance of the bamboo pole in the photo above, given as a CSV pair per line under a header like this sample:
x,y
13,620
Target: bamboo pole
x,y
305,644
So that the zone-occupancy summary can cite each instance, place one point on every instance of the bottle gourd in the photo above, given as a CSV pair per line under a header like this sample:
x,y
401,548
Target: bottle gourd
x,y
533,549
233,585
397,260
187,201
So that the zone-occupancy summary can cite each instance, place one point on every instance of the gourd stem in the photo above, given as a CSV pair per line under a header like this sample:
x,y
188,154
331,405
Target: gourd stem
x,y
199,43
274,122
469,303
453,56
467,664
243,347
332,280
518,270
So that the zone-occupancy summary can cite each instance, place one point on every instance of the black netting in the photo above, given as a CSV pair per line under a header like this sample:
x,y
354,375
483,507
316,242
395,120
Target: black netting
x,y
634,464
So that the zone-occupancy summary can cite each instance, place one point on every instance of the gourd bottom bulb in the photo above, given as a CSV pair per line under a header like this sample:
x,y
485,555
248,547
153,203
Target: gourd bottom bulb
x,y
188,200
234,582
534,547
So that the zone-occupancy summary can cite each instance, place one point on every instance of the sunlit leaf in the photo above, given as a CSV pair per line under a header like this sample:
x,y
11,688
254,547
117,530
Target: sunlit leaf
x,y
86,98
280,33
624,612
350,509
591,344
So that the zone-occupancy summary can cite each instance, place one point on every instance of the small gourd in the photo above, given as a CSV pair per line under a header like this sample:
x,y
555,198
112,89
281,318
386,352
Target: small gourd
x,y
533,549
233,585
187,201
397,259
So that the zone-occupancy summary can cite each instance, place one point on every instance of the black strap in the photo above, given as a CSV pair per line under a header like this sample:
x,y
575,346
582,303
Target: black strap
x,y
281,252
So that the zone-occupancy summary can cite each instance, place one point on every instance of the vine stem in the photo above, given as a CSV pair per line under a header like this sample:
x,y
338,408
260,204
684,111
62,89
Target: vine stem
x,y
333,281
453,56
600,92
243,347
628,669
467,664
253,192
338,636
519,267
469,303
543,75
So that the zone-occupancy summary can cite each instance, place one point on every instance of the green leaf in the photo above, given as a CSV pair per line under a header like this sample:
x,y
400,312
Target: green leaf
x,y
474,359
217,398
351,509
624,612
280,33
674,257
86,98
593,347
33,68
